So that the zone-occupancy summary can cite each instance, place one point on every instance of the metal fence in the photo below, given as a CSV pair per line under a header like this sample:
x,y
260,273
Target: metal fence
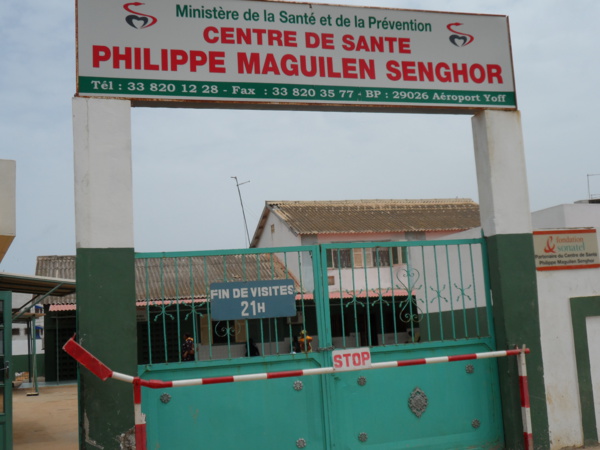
x,y
346,295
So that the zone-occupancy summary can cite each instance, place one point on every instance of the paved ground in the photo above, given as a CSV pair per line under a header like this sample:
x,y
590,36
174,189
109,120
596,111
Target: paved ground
x,y
47,421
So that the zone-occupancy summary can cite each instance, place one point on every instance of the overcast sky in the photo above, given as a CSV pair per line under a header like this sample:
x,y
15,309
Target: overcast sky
x,y
183,160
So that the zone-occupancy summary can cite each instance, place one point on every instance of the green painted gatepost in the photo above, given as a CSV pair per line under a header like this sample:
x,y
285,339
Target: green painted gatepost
x,y
506,223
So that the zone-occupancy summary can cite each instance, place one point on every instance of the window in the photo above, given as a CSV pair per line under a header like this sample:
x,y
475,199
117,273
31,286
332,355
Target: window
x,y
339,258
385,256
362,254
345,258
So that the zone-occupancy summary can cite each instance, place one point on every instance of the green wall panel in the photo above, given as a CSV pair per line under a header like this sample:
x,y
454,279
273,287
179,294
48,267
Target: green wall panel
x,y
581,309
21,363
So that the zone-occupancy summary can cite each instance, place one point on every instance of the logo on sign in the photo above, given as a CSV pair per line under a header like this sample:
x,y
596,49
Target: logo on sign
x,y
136,19
550,247
351,359
459,39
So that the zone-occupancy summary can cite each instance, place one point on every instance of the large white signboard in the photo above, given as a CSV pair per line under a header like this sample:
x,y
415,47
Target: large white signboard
x,y
275,54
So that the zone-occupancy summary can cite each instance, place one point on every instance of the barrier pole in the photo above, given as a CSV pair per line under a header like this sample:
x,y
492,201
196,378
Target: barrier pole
x,y
525,404
92,363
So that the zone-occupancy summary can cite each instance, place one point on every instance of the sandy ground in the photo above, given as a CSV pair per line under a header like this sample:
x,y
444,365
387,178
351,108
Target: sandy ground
x,y
47,421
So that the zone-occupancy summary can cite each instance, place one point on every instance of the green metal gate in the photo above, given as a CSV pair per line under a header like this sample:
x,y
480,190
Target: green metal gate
x,y
403,300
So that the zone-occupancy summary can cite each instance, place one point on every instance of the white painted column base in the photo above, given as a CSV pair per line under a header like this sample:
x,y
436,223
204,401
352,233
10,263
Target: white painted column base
x,y
103,173
501,173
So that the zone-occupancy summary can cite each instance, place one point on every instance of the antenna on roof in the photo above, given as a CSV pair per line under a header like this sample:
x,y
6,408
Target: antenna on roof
x,y
238,184
590,195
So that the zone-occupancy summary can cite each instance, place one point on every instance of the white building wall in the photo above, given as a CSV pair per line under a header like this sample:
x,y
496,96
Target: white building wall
x,y
8,172
371,278
359,237
593,329
360,278
577,215
19,346
277,234
450,278
8,222
19,341
555,288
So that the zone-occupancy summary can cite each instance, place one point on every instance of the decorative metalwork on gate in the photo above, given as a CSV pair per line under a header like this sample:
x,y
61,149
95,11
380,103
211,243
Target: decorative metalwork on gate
x,y
418,402
227,329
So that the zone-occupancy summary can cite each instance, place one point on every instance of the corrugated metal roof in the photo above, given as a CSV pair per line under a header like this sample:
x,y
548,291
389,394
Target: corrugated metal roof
x,y
169,278
374,216
190,277
26,284
59,267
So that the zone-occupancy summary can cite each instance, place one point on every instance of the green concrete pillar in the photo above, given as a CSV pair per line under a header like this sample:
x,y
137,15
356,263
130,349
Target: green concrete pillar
x,y
6,360
105,269
506,224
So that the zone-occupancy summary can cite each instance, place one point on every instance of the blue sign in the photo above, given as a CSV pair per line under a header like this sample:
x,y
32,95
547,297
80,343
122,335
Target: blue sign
x,y
253,300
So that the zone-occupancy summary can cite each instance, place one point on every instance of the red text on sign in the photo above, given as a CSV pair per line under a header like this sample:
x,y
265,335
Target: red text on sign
x,y
377,44
250,36
444,72
166,60
307,66
352,359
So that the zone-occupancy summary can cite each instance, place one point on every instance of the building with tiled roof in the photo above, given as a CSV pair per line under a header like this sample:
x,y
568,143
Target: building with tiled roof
x,y
346,225
367,260
158,280
305,222
166,288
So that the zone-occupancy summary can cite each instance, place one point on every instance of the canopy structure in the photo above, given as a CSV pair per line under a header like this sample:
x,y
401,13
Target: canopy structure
x,y
30,284
40,288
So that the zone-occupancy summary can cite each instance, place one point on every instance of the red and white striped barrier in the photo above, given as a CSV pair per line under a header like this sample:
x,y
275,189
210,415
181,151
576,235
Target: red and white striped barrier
x,y
95,366
525,405
140,418
90,362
